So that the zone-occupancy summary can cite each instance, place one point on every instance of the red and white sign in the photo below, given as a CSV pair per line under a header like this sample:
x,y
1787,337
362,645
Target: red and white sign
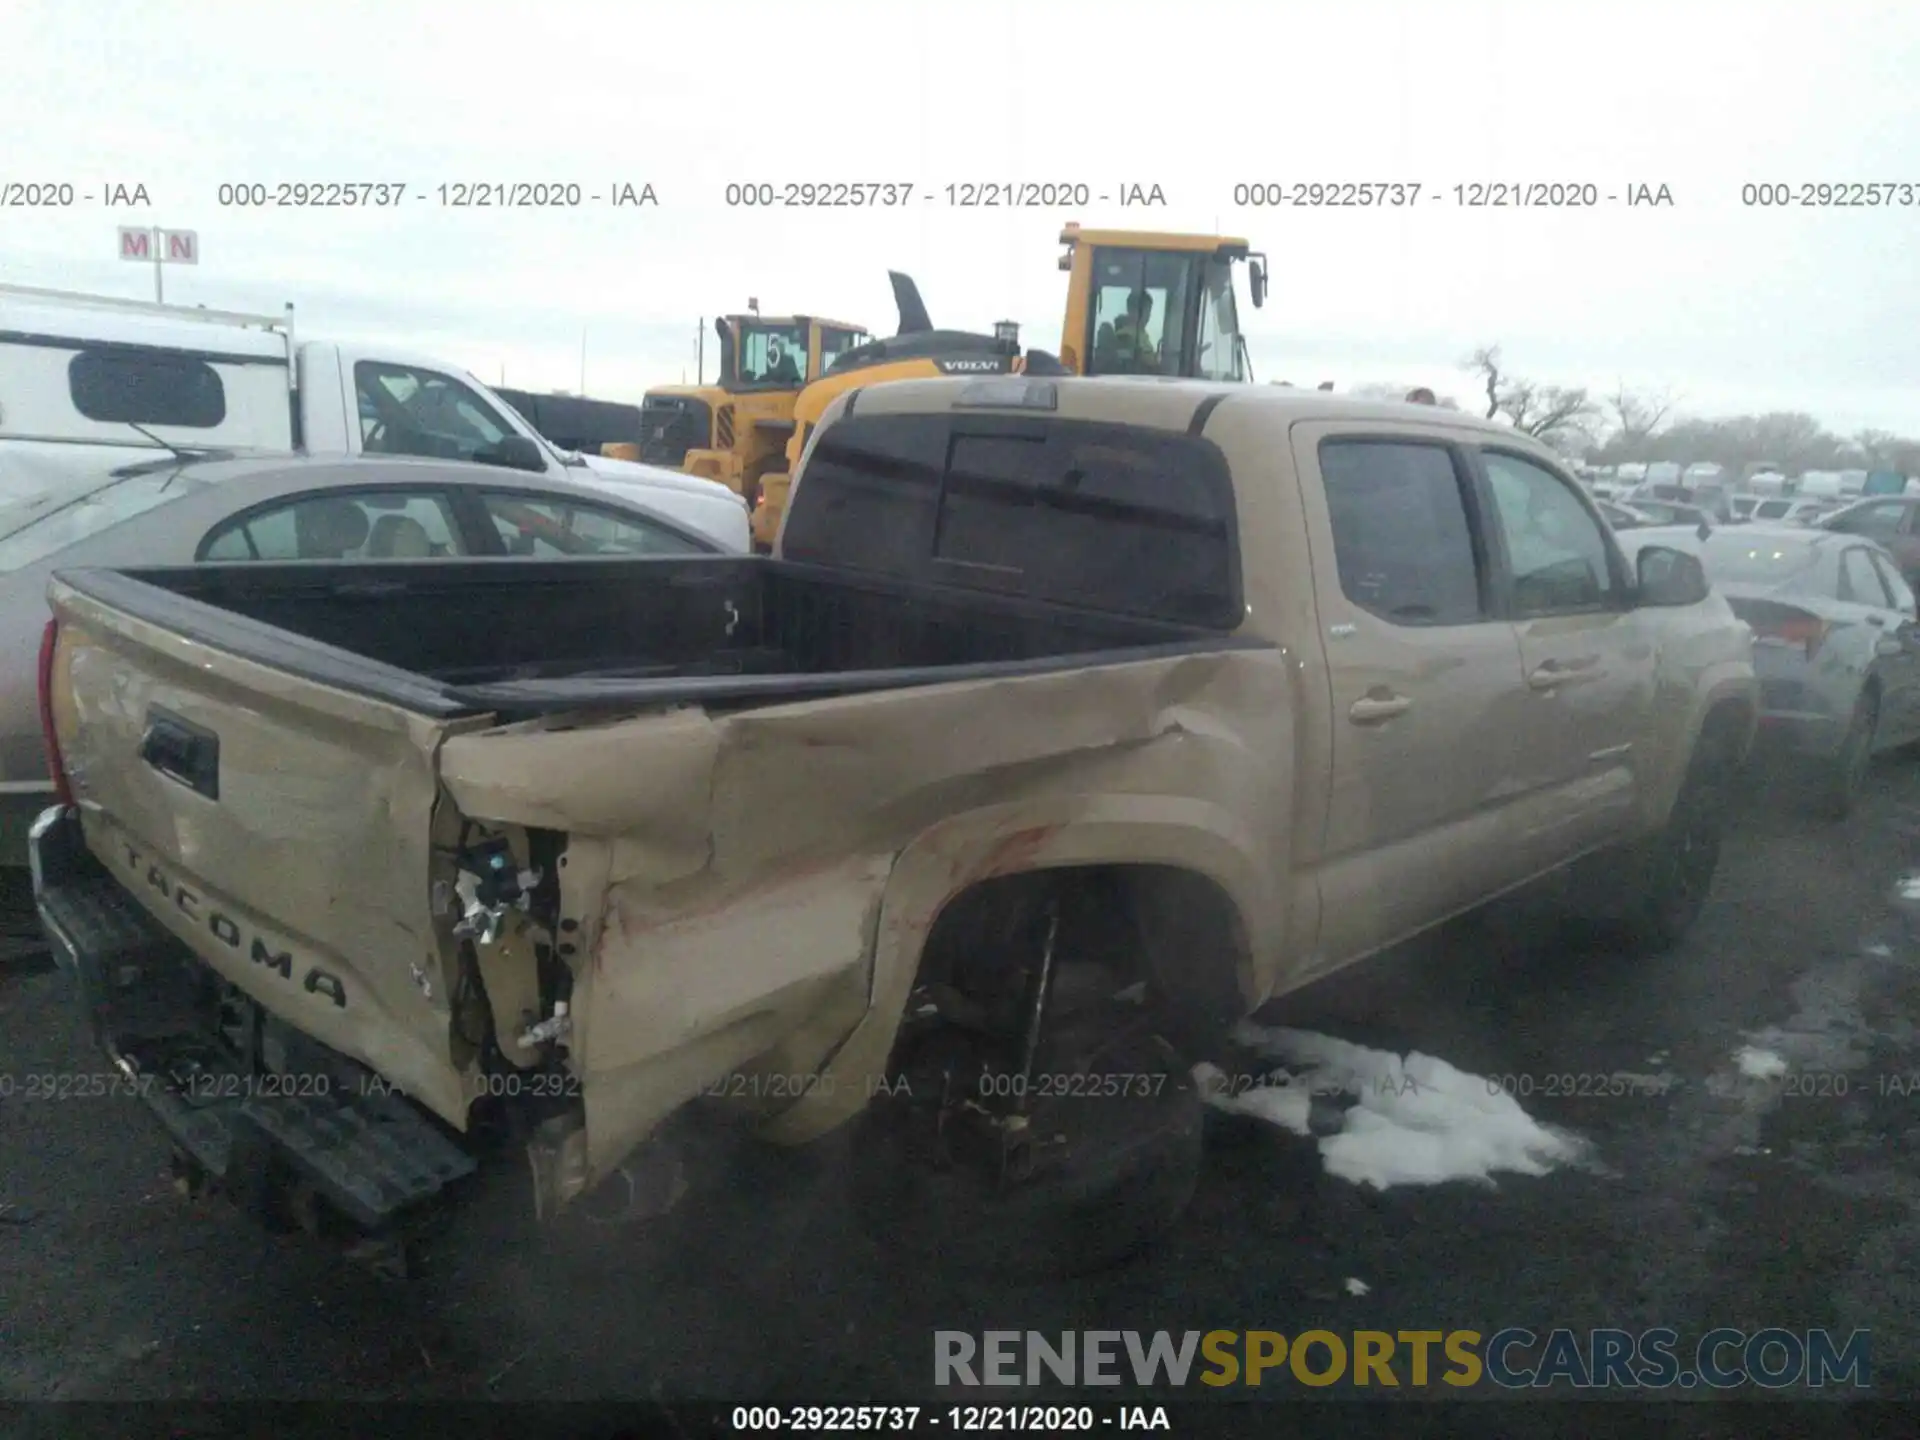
x,y
167,247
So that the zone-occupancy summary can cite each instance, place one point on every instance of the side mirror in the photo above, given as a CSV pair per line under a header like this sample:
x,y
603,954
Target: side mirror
x,y
1670,578
1257,283
516,452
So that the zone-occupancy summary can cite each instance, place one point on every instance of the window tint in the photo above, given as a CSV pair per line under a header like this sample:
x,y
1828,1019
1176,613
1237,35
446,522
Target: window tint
x,y
1401,537
405,411
1099,516
364,525
1886,518
867,494
1771,509
550,528
1860,582
146,387
1557,551
1896,583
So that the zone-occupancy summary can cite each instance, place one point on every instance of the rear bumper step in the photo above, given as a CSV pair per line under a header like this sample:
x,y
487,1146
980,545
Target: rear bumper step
x,y
362,1148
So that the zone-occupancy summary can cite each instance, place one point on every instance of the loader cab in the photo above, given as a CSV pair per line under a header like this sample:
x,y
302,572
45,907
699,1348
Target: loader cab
x,y
1148,304
769,353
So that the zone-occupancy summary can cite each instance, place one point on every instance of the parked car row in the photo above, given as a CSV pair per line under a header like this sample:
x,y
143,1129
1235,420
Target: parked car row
x,y
1836,643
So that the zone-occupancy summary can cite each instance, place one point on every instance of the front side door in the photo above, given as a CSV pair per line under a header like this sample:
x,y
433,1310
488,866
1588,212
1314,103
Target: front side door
x,y
1588,657
1425,676
1867,579
407,409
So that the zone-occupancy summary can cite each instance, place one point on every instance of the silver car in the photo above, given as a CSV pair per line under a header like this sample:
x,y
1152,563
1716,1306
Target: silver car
x,y
1788,511
274,508
1836,644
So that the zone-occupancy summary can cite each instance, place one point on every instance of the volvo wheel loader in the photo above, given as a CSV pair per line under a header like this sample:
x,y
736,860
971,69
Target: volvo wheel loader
x,y
1138,303
737,428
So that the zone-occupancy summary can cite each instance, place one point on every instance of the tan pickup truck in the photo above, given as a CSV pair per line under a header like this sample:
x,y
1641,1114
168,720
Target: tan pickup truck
x,y
1070,721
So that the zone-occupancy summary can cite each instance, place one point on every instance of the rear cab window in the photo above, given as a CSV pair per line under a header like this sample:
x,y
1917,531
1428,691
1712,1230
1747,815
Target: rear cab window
x,y
71,389
133,387
1088,514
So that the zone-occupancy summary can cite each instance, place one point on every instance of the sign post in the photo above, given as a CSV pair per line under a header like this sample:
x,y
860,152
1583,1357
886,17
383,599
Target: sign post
x,y
161,247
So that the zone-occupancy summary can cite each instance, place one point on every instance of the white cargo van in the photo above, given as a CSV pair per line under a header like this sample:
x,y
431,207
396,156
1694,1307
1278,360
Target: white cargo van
x,y
90,383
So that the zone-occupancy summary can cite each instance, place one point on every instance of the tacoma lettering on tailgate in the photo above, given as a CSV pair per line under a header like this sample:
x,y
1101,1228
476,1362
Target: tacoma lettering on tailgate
x,y
224,928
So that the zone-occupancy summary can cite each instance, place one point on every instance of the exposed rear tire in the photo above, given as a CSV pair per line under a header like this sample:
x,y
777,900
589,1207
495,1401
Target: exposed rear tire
x,y
1132,1167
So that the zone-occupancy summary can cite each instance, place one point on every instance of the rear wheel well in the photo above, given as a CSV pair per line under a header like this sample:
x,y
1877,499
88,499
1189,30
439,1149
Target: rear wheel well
x,y
1175,930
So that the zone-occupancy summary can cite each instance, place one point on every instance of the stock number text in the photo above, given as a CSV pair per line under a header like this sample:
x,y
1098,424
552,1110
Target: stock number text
x,y
820,195
1834,195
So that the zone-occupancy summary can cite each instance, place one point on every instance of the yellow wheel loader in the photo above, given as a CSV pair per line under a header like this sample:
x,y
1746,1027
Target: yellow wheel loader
x,y
737,428
1138,303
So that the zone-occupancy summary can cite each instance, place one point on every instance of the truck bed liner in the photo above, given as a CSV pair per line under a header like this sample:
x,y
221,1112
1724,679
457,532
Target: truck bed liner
x,y
530,637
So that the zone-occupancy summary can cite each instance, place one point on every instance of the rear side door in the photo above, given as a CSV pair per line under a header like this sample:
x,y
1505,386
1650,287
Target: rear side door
x,y
1588,654
1426,682
1891,658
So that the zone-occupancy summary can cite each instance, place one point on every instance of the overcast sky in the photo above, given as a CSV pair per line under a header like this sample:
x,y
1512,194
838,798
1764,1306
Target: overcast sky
x,y
1737,308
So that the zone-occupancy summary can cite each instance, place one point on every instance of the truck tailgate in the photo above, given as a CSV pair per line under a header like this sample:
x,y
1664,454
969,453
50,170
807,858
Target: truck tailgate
x,y
282,828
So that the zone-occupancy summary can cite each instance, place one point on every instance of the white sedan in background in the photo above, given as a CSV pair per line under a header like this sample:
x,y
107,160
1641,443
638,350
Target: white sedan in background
x,y
1836,642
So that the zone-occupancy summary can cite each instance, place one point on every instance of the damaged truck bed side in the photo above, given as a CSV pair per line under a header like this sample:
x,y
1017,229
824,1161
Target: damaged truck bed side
x,y
1060,731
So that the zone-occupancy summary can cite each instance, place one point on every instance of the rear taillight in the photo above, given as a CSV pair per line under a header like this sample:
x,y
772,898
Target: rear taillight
x,y
56,767
1784,626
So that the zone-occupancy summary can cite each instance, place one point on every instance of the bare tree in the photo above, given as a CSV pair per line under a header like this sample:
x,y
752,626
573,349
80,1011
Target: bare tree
x,y
1876,447
1637,416
1485,362
1562,415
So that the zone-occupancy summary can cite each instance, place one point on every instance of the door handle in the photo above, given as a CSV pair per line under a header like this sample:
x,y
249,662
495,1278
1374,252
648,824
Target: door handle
x,y
182,751
1372,709
1552,675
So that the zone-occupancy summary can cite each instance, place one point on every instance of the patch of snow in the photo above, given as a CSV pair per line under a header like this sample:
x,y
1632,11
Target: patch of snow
x,y
1414,1120
1758,1064
1287,1106
1357,1287
1879,950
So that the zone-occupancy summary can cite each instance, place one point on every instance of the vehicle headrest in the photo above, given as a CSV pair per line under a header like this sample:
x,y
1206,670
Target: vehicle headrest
x,y
331,526
399,537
